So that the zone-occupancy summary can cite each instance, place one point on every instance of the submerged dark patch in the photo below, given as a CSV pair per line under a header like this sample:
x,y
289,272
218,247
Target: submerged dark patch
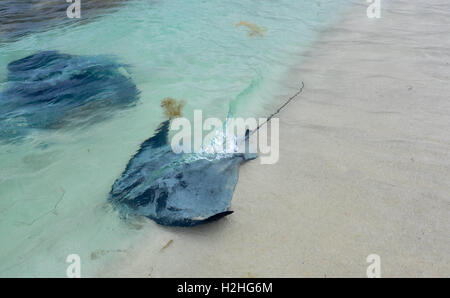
x,y
176,189
19,18
50,90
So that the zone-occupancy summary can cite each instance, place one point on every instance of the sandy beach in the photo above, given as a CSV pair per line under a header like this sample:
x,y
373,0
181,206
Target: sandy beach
x,y
364,165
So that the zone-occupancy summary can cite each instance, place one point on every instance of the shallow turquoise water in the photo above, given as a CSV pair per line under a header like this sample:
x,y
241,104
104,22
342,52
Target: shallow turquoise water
x,y
54,185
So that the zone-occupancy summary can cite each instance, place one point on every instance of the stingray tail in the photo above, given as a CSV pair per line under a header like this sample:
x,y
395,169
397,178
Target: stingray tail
x,y
248,134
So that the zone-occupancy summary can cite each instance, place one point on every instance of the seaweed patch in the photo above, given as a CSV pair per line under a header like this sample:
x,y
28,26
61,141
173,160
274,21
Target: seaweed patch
x,y
172,108
254,29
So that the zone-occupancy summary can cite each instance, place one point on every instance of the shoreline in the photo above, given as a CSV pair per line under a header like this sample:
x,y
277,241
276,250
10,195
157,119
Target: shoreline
x,y
363,161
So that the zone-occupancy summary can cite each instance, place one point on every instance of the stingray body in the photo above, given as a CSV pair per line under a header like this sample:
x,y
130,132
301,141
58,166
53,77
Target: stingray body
x,y
176,189
49,90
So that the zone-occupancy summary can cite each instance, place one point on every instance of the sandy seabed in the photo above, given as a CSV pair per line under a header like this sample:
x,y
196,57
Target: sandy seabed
x,y
364,165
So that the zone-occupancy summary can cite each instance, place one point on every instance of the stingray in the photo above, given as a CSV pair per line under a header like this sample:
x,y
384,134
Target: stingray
x,y
178,189
50,90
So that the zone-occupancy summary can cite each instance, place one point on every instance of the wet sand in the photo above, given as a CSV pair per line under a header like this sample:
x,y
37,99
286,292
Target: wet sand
x,y
364,165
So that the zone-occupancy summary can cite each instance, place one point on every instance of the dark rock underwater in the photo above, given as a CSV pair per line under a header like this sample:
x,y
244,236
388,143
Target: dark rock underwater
x,y
176,189
49,90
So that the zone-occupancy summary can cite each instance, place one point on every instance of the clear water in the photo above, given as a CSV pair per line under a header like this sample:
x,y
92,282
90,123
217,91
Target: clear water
x,y
54,185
